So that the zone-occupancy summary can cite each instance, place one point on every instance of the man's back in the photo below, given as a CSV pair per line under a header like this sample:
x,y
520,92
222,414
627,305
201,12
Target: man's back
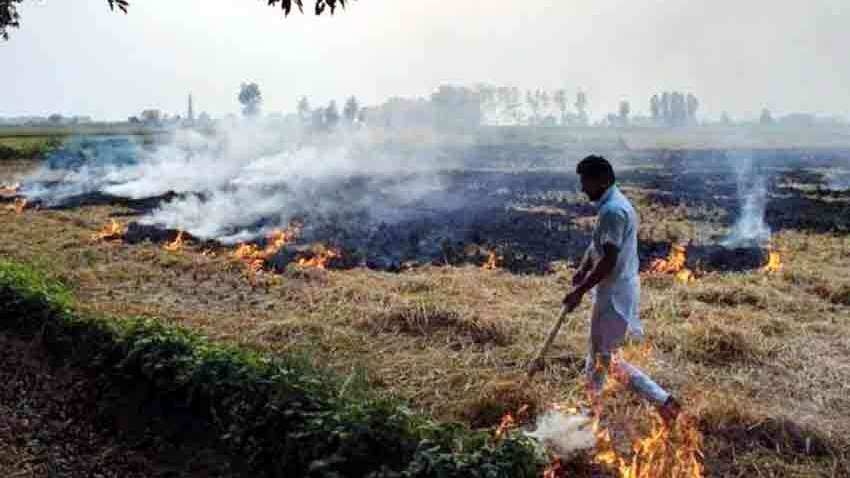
x,y
617,224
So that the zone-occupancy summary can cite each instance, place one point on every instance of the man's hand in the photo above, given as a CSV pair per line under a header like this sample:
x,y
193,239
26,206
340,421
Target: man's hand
x,y
573,299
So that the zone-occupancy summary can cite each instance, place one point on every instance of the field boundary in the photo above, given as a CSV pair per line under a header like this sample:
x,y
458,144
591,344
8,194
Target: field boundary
x,y
282,416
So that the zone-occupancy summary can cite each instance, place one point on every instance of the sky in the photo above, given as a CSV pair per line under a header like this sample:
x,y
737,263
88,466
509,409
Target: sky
x,y
739,56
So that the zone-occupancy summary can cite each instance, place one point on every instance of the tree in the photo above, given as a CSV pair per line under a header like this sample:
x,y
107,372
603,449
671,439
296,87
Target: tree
x,y
331,115
625,110
666,109
766,117
533,105
10,18
304,109
655,108
560,99
725,118
581,107
250,98
693,106
151,116
55,118
350,110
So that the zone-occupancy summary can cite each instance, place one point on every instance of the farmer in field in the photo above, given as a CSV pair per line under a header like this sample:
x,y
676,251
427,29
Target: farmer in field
x,y
610,271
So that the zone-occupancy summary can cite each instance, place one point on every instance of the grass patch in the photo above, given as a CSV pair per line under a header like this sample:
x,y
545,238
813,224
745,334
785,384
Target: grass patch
x,y
282,415
769,442
716,345
426,317
27,147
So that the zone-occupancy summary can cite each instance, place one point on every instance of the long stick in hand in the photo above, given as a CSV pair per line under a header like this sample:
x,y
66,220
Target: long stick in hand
x,y
537,364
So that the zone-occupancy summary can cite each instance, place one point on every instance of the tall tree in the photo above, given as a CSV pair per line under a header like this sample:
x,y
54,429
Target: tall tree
x,y
581,107
693,106
350,110
331,115
655,108
304,109
560,99
10,18
624,111
250,98
766,117
666,109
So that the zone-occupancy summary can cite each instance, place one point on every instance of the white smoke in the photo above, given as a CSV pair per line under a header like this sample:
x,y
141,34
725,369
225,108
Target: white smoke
x,y
563,434
253,176
839,181
750,226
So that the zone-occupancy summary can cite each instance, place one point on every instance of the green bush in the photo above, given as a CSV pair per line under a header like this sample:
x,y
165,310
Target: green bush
x,y
281,415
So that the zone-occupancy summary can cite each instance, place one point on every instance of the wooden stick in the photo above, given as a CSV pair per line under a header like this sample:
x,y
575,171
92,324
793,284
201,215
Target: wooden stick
x,y
535,365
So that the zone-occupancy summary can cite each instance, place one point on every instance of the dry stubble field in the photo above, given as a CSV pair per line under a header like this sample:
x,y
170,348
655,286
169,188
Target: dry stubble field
x,y
759,359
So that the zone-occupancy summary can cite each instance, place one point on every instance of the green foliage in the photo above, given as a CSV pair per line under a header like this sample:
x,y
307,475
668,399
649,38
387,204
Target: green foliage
x,y
282,415
27,147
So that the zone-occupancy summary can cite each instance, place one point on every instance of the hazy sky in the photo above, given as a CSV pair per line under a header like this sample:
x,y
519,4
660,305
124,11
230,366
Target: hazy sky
x,y
77,57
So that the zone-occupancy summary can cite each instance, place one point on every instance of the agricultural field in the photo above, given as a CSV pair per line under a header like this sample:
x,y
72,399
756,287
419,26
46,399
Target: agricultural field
x,y
753,338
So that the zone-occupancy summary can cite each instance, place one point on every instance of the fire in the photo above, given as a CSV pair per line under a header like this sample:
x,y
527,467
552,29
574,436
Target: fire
x,y
10,190
508,422
494,261
110,232
554,469
661,452
674,264
774,261
20,205
175,245
255,258
321,259
667,450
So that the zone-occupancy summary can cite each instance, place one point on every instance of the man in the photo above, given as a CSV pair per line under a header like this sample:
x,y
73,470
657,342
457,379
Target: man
x,y
610,269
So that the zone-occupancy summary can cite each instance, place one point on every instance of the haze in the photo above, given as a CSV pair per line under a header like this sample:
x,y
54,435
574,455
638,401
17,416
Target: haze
x,y
80,58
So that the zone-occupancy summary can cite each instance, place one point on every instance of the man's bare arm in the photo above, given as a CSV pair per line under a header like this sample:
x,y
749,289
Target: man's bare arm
x,y
602,268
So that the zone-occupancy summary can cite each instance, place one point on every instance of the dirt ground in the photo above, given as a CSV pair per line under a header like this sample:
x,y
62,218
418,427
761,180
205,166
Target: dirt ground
x,y
49,427
759,359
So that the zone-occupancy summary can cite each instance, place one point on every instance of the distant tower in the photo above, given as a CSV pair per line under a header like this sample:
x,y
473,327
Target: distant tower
x,y
191,113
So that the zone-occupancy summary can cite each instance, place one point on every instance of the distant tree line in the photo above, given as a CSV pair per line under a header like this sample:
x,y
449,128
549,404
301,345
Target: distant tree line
x,y
674,109
510,105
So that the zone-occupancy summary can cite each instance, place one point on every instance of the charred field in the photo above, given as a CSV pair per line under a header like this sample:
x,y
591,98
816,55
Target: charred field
x,y
442,308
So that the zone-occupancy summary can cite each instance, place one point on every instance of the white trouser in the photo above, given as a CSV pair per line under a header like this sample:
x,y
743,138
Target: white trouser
x,y
608,327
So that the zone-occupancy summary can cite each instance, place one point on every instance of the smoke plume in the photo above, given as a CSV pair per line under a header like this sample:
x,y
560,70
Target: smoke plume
x,y
251,177
750,226
564,434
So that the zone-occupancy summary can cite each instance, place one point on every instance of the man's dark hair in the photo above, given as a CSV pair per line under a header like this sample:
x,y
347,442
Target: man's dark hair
x,y
596,167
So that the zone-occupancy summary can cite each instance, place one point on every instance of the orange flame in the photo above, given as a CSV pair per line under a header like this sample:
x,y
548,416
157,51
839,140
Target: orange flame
x,y
320,260
554,469
175,245
660,453
10,190
663,452
774,261
20,205
110,232
674,264
255,259
508,422
494,261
